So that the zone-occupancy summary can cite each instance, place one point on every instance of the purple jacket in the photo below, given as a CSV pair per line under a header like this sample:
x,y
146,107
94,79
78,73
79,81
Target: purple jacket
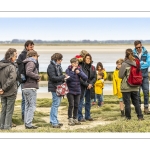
x,y
74,81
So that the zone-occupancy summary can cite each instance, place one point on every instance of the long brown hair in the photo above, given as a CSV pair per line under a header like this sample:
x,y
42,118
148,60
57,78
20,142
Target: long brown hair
x,y
99,64
86,56
129,54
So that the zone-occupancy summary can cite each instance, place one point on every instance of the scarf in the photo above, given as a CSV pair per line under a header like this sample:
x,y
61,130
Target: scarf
x,y
32,59
58,68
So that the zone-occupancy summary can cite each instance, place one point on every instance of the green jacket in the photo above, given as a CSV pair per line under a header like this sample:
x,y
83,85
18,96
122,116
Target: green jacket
x,y
124,72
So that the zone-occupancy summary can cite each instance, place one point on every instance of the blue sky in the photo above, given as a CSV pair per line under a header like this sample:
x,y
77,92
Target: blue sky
x,y
75,28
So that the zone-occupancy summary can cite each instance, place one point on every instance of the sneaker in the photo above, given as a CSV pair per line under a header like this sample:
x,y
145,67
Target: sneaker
x,y
128,118
90,119
56,126
60,124
140,119
76,122
82,120
146,111
32,127
71,122
93,103
13,125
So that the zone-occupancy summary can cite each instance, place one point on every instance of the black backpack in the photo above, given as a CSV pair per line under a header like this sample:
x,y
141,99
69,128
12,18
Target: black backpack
x,y
21,72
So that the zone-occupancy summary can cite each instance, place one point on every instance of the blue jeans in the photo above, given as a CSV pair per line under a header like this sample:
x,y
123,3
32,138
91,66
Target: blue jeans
x,y
87,106
22,102
54,109
30,106
102,96
145,89
95,98
99,97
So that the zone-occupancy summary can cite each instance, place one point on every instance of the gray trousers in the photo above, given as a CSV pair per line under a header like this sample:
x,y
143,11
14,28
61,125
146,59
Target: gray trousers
x,y
30,105
7,111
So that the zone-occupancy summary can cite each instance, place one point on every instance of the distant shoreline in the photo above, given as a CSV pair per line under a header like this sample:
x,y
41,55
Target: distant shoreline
x,y
71,44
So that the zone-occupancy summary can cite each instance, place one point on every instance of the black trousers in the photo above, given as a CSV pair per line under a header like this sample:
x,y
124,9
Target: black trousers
x,y
135,101
73,105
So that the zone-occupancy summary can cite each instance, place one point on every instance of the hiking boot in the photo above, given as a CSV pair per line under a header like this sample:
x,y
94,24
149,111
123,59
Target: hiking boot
x,y
122,113
71,122
146,111
82,120
76,122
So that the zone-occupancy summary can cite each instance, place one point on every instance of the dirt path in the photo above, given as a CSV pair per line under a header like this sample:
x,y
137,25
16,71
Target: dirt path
x,y
62,117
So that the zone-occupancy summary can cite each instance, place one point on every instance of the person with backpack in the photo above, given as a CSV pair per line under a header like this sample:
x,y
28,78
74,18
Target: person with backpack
x,y
142,54
29,45
130,91
30,87
86,88
73,82
8,87
55,78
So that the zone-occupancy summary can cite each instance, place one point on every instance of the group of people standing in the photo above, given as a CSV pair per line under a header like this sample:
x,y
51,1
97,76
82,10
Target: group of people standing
x,y
84,80
124,90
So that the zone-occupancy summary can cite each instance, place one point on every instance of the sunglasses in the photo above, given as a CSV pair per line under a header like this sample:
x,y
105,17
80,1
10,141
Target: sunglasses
x,y
137,47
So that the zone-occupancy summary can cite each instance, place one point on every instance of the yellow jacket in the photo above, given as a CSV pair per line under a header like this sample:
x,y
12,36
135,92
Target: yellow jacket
x,y
105,74
99,85
116,84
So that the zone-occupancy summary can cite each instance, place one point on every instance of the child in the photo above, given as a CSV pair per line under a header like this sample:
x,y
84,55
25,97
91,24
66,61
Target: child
x,y
75,73
99,84
99,69
117,84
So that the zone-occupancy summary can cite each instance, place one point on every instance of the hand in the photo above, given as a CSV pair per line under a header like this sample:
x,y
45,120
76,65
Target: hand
x,y
89,86
1,91
66,75
77,71
39,79
73,68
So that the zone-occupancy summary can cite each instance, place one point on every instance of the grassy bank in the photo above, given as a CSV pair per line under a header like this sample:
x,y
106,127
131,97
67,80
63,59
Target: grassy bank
x,y
44,76
106,118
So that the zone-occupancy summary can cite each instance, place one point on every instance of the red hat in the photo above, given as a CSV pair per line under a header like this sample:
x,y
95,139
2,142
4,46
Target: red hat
x,y
78,56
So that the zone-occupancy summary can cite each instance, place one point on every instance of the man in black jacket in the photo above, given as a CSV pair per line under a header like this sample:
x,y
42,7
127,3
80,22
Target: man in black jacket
x,y
29,45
